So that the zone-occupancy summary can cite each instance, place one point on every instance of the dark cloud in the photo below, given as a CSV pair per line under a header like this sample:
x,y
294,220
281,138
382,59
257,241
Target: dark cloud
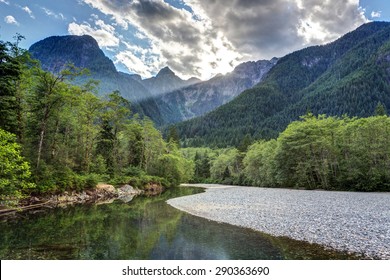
x,y
217,34
179,39
266,28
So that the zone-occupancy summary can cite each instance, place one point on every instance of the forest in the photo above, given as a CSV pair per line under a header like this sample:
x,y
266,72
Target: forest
x,y
328,153
56,136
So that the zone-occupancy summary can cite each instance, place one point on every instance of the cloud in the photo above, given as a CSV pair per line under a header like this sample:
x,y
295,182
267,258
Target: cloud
x,y
137,63
102,32
376,14
11,20
50,13
213,36
275,27
188,46
4,1
28,11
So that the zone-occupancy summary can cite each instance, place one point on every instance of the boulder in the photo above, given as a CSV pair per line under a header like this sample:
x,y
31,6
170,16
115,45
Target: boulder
x,y
106,188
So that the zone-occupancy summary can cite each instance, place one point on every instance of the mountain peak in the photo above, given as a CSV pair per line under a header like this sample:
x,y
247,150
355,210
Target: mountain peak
x,y
56,52
165,71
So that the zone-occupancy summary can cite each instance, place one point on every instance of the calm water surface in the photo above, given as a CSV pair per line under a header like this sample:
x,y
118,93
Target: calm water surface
x,y
145,228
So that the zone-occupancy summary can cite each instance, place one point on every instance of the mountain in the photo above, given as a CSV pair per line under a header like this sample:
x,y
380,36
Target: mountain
x,y
56,52
202,97
348,76
166,81
83,51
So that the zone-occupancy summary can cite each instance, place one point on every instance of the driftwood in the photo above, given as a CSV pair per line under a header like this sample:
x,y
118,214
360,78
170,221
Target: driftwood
x,y
23,208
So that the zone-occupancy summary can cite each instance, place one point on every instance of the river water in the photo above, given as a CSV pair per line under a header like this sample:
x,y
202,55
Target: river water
x,y
145,228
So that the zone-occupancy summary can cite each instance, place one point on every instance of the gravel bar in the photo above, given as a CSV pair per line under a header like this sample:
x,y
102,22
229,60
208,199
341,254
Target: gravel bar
x,y
347,221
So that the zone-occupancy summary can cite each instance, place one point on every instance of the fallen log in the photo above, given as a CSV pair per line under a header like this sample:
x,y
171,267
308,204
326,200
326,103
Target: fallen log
x,y
22,208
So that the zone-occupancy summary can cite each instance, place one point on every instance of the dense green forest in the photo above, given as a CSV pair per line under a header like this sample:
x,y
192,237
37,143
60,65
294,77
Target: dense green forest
x,y
349,76
321,152
56,136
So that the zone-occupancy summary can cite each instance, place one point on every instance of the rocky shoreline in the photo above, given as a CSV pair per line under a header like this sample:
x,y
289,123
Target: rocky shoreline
x,y
357,223
103,193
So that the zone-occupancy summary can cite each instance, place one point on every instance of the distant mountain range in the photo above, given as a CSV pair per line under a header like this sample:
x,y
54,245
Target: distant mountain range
x,y
349,76
200,98
165,98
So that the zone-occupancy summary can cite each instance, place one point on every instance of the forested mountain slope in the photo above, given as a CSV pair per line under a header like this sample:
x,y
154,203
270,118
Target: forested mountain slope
x,y
349,76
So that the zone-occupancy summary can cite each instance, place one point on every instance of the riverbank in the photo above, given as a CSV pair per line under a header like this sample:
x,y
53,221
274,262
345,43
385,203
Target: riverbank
x,y
346,221
102,193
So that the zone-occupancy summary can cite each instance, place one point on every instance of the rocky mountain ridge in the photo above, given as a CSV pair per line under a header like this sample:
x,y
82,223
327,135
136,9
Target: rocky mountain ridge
x,y
201,98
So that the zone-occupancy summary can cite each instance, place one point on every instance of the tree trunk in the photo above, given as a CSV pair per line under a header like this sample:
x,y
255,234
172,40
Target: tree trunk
x,y
40,144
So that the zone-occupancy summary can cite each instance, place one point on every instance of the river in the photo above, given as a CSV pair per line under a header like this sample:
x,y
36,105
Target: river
x,y
145,228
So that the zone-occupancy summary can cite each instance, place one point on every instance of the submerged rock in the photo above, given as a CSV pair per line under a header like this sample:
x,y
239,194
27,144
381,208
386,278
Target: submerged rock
x,y
126,193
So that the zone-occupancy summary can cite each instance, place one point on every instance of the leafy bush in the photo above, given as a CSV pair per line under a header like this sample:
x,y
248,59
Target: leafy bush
x,y
14,170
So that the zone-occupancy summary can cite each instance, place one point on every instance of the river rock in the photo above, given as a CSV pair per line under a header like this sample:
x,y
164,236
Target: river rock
x,y
126,193
106,188
127,189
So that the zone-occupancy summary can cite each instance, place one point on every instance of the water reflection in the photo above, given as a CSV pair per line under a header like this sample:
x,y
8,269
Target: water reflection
x,y
146,228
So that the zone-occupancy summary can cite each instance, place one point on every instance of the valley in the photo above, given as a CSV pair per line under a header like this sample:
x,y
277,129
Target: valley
x,y
314,120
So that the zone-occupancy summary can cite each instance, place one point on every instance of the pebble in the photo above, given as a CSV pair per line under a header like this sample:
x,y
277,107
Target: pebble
x,y
348,221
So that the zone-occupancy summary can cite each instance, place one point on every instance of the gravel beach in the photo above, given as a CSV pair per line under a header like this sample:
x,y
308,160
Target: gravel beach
x,y
348,221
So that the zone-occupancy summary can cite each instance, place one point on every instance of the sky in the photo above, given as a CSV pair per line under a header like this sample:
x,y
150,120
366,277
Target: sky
x,y
195,38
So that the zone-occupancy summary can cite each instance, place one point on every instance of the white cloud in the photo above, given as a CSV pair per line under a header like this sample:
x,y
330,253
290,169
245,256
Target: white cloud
x,y
50,13
102,32
11,20
28,11
137,63
219,34
376,14
4,1
187,45
94,17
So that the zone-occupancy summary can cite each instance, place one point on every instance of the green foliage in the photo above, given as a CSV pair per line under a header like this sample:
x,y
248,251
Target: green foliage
x,y
174,167
306,156
245,143
260,163
325,152
226,168
202,167
10,74
105,145
141,181
14,170
173,135
380,110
